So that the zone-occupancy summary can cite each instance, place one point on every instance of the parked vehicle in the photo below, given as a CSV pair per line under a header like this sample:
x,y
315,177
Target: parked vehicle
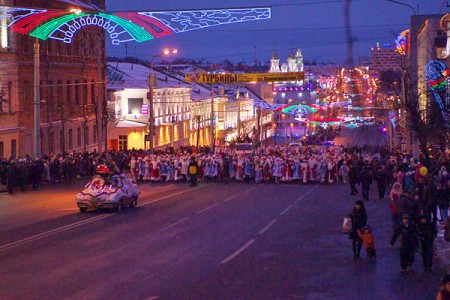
x,y
102,192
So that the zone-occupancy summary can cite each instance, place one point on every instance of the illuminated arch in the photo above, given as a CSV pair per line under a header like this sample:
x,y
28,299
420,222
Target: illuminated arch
x,y
121,27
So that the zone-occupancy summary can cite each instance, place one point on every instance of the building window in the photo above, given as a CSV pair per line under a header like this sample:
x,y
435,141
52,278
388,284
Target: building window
x,y
70,139
134,105
2,149
13,148
26,103
123,142
77,92
85,92
94,134
61,141
51,142
92,92
10,93
86,135
79,137
50,95
69,94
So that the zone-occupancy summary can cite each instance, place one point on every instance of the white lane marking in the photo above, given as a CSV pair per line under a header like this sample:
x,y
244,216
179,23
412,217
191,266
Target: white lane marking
x,y
53,232
77,224
231,198
251,189
237,195
304,195
174,224
171,195
286,210
208,208
229,258
268,226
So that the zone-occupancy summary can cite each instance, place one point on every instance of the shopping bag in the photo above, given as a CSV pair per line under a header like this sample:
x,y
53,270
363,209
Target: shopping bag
x,y
347,226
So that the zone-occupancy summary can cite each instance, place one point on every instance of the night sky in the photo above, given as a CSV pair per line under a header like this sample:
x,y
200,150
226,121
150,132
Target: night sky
x,y
316,28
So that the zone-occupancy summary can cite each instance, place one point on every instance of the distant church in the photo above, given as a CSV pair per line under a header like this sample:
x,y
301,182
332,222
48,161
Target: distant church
x,y
294,63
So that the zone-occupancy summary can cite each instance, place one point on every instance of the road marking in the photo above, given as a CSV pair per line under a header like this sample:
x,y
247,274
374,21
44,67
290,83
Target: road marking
x,y
79,224
229,258
232,197
286,210
174,224
208,208
268,226
168,196
305,194
251,189
53,232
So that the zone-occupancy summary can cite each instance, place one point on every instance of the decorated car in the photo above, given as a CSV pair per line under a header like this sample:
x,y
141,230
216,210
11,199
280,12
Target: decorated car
x,y
108,192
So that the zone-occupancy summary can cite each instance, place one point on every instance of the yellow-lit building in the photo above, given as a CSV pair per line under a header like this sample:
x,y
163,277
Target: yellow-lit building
x,y
128,91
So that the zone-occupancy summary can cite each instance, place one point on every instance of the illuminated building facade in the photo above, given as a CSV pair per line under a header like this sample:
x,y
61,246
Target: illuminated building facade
x,y
72,88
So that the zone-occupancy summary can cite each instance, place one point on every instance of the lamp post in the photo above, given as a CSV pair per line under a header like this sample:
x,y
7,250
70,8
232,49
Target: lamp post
x,y
405,4
37,100
152,82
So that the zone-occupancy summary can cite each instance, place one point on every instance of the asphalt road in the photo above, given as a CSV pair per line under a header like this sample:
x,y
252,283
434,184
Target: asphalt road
x,y
215,241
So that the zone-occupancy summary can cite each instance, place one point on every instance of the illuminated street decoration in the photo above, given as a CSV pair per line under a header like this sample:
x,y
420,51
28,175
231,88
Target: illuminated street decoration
x,y
401,42
298,109
122,27
436,74
322,122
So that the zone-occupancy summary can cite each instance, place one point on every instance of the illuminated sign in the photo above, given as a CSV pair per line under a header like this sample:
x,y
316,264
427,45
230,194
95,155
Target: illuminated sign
x,y
144,109
122,27
401,42
251,77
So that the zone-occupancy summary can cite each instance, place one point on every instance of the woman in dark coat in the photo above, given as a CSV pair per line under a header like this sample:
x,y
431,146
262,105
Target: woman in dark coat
x,y
359,220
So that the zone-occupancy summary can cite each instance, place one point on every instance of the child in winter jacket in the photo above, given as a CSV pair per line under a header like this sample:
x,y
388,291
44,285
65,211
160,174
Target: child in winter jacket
x,y
368,242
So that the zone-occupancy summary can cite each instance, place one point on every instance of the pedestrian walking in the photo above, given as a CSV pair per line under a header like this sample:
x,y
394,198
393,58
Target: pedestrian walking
x,y
358,216
408,239
353,179
193,171
366,180
381,179
426,233
442,199
226,169
368,242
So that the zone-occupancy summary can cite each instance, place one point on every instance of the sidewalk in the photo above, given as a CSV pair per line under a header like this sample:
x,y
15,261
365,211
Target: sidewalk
x,y
443,249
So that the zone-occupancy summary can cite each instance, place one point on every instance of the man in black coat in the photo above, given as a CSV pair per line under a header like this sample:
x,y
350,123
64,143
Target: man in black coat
x,y
193,171
426,233
359,221
366,180
408,239
353,179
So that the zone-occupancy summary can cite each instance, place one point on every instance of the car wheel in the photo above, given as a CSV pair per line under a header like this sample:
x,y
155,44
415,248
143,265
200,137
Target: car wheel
x,y
83,209
119,206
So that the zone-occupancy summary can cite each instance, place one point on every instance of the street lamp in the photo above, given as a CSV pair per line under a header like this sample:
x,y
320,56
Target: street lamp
x,y
152,82
405,4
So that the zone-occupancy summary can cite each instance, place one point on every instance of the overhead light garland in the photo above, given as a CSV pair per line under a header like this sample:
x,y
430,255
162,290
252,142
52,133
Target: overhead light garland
x,y
123,26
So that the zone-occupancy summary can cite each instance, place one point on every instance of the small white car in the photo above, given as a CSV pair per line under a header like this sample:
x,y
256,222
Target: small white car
x,y
103,193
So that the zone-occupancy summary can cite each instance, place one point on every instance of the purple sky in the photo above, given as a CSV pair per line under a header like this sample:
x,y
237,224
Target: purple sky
x,y
317,29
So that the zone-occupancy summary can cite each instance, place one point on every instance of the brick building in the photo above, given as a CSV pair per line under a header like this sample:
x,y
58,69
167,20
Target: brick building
x,y
72,86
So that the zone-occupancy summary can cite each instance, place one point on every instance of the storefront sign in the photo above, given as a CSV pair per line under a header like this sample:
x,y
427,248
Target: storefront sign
x,y
250,77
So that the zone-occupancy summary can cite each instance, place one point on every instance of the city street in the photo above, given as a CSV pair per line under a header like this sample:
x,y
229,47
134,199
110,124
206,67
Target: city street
x,y
215,241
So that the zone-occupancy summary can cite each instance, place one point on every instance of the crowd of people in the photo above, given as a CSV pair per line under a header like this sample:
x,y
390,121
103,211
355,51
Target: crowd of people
x,y
419,193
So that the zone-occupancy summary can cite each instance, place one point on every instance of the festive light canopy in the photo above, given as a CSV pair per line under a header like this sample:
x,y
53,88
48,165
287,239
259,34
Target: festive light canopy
x,y
123,26
437,77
